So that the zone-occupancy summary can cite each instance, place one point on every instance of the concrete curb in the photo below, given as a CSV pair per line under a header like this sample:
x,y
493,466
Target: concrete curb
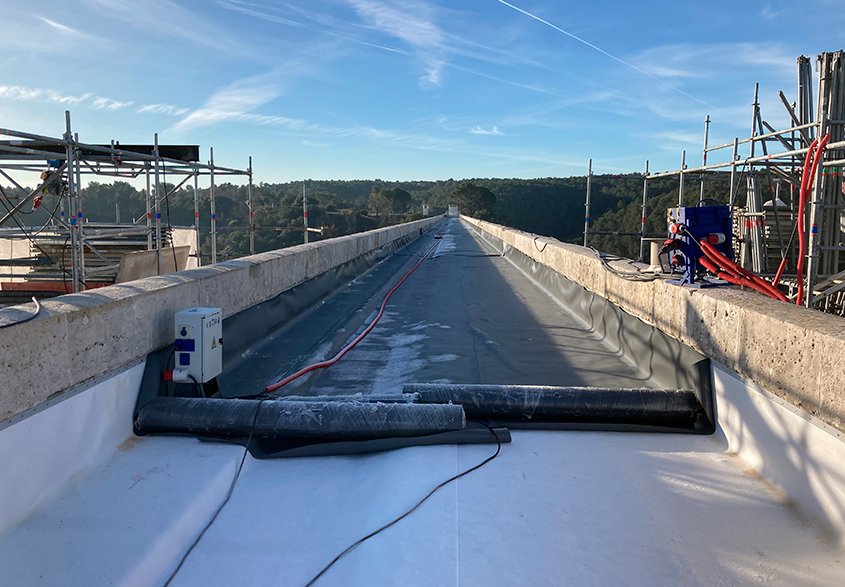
x,y
790,351
80,336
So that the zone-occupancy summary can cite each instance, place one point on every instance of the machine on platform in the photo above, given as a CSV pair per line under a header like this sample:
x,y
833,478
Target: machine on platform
x,y
198,345
687,227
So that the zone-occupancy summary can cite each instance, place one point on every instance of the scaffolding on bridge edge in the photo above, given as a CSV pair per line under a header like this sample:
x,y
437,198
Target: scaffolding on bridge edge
x,y
825,277
68,159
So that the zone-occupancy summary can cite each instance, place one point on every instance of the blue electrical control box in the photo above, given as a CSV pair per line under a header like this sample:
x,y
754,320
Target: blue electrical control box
x,y
687,227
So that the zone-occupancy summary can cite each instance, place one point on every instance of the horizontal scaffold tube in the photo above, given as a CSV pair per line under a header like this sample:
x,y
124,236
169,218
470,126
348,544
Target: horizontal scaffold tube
x,y
337,420
538,403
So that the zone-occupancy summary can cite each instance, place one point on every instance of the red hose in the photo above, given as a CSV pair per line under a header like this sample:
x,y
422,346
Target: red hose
x,y
811,165
736,280
359,338
802,238
737,271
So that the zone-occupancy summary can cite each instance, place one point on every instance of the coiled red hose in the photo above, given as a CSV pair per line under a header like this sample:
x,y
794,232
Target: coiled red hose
x,y
329,362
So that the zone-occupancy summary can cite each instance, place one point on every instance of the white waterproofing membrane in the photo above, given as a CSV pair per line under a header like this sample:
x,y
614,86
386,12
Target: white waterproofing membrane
x,y
554,508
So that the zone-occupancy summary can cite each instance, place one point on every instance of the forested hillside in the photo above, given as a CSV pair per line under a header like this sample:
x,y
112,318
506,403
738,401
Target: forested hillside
x,y
550,206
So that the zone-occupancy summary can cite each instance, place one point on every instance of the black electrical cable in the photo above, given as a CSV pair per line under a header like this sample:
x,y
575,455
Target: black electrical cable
x,y
52,215
197,386
28,318
61,268
715,202
545,244
629,275
64,271
408,512
223,503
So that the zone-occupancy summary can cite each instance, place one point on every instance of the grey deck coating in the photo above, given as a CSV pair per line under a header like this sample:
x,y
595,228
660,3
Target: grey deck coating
x,y
467,315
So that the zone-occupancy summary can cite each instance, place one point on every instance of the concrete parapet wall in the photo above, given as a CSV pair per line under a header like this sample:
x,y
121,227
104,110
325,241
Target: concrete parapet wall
x,y
792,352
79,337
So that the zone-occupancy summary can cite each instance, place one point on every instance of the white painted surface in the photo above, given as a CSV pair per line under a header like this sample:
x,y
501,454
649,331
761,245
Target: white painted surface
x,y
801,456
14,248
556,508
40,455
187,236
128,523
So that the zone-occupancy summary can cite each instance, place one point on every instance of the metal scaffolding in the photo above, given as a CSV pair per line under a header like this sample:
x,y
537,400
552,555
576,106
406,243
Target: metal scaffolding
x,y
67,160
774,157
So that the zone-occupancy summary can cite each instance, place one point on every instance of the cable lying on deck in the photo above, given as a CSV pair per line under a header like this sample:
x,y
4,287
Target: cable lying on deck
x,y
408,512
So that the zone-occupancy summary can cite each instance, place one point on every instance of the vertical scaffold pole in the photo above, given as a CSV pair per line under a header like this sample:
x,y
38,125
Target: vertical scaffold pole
x,y
80,216
149,204
734,157
587,204
305,212
681,179
644,213
73,188
817,195
197,217
251,212
755,107
157,204
213,203
704,155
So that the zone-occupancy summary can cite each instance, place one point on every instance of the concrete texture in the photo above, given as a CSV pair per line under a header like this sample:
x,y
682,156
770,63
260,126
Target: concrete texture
x,y
80,336
787,350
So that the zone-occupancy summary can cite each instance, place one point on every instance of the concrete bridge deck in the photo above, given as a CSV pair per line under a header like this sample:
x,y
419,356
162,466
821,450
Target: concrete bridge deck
x,y
562,507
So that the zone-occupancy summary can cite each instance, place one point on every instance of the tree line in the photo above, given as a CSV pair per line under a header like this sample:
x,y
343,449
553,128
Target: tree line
x,y
548,206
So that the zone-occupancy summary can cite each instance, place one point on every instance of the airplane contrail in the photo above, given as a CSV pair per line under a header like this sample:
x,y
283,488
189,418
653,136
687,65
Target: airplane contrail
x,y
603,52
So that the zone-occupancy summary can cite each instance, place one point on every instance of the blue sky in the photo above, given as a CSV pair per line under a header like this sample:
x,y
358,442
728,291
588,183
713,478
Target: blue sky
x,y
408,89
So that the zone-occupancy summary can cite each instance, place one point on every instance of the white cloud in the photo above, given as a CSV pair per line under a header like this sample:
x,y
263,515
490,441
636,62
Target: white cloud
x,y
234,102
433,72
168,109
628,64
487,131
252,10
20,93
41,94
413,23
769,13
62,28
409,21
101,103
710,60
315,21
166,18
28,94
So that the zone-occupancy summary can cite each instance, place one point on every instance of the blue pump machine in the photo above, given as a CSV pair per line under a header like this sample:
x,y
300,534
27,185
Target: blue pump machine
x,y
712,223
